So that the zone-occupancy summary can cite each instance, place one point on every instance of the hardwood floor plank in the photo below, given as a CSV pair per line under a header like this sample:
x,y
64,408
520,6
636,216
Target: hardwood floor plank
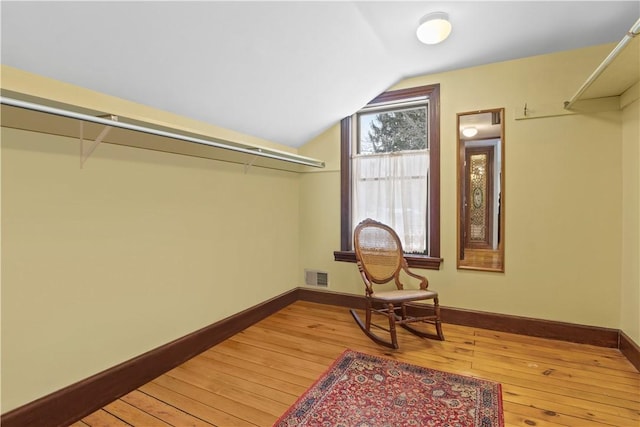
x,y
192,406
287,379
222,411
593,395
259,404
544,382
252,372
577,407
133,415
162,411
278,361
568,406
277,340
237,380
543,342
553,418
611,358
251,378
326,332
573,369
558,371
102,418
240,410
515,419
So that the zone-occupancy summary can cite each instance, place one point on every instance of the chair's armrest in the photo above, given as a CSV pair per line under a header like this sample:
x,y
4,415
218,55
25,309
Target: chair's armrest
x,y
424,282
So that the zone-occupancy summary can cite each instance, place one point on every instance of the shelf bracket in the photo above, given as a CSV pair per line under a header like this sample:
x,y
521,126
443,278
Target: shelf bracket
x,y
94,144
248,165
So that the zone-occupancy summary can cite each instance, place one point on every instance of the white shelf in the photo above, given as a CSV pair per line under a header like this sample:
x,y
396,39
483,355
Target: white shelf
x,y
617,73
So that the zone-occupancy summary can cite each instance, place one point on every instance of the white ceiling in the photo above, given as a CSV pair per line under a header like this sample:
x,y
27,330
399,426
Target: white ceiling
x,y
283,71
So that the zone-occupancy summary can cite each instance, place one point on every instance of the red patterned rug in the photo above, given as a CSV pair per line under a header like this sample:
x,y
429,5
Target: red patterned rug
x,y
369,391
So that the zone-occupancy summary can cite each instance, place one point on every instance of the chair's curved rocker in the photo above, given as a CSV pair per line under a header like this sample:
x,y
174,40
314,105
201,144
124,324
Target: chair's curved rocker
x,y
380,260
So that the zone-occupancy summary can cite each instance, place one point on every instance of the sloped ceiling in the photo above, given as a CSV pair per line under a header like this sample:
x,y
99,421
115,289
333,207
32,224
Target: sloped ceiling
x,y
282,71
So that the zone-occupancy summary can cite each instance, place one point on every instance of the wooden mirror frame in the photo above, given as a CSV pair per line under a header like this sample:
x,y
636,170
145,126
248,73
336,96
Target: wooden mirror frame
x,y
487,254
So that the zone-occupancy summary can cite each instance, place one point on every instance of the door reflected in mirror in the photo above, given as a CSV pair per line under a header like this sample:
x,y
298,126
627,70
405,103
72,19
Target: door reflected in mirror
x,y
481,190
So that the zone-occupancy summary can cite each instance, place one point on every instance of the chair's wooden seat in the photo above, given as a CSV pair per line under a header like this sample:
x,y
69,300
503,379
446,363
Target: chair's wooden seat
x,y
404,295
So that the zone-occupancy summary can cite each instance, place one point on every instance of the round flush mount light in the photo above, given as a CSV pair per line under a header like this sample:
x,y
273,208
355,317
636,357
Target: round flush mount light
x,y
470,132
434,28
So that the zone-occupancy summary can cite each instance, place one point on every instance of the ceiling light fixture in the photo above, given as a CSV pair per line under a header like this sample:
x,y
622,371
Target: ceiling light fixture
x,y
434,28
470,132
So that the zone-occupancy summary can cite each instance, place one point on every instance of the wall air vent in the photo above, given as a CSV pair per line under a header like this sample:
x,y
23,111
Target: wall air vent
x,y
316,278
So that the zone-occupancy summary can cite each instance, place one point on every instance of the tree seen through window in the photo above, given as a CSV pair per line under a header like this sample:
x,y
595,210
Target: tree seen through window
x,y
393,131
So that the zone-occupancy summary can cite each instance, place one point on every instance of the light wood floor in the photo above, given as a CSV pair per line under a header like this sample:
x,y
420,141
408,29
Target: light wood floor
x,y
482,258
253,377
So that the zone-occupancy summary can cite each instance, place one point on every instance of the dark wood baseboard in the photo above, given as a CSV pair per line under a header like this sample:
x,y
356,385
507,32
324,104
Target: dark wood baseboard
x,y
78,400
603,337
594,335
630,349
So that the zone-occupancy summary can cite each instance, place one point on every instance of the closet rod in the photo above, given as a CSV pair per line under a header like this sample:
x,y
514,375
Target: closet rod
x,y
635,29
262,152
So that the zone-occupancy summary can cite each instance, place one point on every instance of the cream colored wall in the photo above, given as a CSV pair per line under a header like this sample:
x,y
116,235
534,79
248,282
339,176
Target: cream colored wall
x,y
320,214
563,198
630,295
104,263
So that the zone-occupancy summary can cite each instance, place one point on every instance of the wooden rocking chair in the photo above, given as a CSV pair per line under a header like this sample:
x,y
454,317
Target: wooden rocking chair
x,y
380,260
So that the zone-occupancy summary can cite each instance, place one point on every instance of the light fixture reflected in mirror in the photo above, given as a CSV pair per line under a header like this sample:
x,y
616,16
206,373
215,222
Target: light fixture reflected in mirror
x,y
481,190
470,131
434,28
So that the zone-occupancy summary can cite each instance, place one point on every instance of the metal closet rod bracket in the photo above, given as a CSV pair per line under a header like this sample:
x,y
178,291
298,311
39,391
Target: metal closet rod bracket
x,y
96,142
250,163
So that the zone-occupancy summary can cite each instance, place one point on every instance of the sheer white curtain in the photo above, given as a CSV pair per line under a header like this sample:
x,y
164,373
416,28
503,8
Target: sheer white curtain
x,y
392,188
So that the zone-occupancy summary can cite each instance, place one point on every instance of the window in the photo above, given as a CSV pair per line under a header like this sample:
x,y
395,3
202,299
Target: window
x,y
390,171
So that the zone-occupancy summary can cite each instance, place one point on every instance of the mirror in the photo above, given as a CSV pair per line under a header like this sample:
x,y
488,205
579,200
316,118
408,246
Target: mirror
x,y
481,190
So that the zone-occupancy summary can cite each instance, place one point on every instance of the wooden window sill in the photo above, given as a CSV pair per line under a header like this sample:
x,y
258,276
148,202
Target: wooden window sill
x,y
414,261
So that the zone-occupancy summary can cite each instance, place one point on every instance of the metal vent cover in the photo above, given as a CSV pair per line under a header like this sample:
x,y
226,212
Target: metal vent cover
x,y
316,278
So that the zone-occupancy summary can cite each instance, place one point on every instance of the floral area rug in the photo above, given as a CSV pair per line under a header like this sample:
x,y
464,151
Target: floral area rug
x,y
360,390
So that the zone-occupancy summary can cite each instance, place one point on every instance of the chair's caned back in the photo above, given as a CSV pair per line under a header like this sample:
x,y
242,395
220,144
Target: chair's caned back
x,y
378,249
